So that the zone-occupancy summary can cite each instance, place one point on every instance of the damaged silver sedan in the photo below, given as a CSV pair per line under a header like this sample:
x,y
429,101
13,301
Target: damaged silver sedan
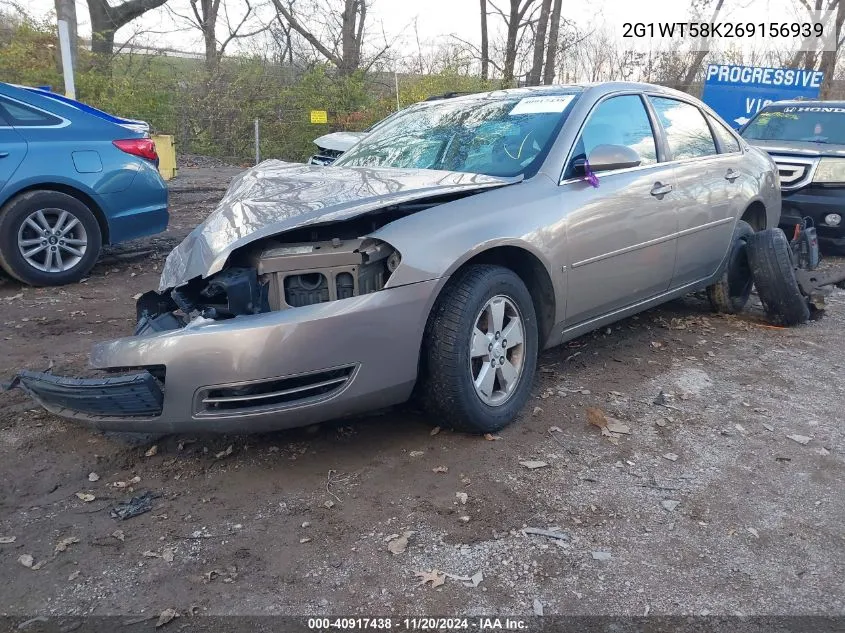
x,y
435,258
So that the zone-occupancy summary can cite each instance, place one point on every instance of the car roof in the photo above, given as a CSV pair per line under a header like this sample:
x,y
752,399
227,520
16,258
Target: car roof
x,y
79,105
596,88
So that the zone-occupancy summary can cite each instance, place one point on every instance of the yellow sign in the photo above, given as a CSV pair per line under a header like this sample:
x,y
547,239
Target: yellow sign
x,y
319,116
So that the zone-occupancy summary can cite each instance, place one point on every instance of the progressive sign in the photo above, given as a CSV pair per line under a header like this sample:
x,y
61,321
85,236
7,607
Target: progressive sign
x,y
737,93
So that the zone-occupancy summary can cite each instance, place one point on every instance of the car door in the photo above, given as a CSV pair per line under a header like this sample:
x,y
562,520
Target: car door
x,y
707,189
621,233
12,151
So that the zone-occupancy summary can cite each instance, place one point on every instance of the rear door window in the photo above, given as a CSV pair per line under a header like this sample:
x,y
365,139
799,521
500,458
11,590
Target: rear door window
x,y
20,115
727,141
686,130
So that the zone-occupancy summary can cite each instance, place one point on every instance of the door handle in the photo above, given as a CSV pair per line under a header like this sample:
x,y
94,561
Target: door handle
x,y
659,190
4,154
731,175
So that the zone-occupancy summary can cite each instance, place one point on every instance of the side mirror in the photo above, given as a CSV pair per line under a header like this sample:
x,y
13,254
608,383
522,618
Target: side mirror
x,y
608,157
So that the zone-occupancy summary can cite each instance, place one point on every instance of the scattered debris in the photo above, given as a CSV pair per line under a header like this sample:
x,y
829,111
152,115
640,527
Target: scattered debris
x,y
670,504
134,506
611,428
305,539
464,518
329,504
440,469
306,524
166,616
531,464
87,497
671,457
6,540
126,484
492,438
801,439
74,575
753,532
462,497
93,477
167,555
119,535
469,581
538,607
435,577
152,451
400,544
434,431
225,453
821,450
417,453
26,560
62,545
555,429
554,533
768,427
601,555
537,411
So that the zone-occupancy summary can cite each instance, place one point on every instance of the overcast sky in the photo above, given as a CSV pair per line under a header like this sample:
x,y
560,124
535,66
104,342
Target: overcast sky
x,y
439,18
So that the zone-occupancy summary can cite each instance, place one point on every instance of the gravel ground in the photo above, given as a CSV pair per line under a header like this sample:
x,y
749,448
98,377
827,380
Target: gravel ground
x,y
724,498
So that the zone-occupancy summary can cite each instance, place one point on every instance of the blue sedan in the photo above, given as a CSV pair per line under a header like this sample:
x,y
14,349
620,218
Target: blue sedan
x,y
71,180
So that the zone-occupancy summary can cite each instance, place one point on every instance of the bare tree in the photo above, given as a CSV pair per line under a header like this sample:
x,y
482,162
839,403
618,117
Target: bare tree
x,y
551,49
107,19
539,44
342,39
828,60
485,44
516,20
698,57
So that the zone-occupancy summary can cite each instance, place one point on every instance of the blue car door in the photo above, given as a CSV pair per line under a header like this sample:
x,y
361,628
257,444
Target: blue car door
x,y
12,151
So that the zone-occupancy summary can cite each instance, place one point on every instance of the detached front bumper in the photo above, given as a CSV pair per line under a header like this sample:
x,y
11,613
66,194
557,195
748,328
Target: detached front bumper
x,y
261,372
816,202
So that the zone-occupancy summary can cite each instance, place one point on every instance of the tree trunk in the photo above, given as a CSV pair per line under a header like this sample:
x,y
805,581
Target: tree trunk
x,y
692,71
539,44
828,63
107,19
485,46
510,43
551,49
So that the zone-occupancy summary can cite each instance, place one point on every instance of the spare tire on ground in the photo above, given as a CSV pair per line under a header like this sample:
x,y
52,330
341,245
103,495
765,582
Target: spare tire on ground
x,y
730,294
770,259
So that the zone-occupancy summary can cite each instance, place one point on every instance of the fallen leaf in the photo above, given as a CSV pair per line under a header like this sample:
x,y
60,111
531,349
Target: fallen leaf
x,y
166,616
492,438
26,560
151,451
531,464
440,469
168,555
462,497
435,577
5,540
62,545
597,418
801,439
400,544
225,453
671,457
86,496
93,477
435,430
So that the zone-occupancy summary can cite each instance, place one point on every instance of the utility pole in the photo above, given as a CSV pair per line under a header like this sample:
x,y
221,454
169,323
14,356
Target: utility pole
x,y
68,42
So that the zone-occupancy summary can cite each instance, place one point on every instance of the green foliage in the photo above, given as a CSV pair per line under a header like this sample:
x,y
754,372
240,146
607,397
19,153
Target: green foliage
x,y
214,114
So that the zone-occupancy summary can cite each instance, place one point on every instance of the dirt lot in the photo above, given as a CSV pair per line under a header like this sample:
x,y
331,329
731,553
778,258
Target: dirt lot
x,y
706,506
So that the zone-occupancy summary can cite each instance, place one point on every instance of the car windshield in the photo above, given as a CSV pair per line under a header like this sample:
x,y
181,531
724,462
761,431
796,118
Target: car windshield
x,y
814,123
496,135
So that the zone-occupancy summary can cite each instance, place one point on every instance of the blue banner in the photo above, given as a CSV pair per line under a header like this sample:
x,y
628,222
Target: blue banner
x,y
737,93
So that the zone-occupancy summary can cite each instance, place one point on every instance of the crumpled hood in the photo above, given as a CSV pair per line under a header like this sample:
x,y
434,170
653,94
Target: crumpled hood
x,y
339,141
275,196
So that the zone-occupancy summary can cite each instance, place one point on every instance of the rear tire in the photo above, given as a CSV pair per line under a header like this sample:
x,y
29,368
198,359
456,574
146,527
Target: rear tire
x,y
730,294
770,258
472,378
48,238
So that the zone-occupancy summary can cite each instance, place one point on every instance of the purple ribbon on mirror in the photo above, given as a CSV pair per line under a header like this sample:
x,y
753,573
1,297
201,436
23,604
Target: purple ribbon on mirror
x,y
589,176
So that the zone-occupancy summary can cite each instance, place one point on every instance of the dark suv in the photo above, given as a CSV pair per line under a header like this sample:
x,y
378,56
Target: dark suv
x,y
807,141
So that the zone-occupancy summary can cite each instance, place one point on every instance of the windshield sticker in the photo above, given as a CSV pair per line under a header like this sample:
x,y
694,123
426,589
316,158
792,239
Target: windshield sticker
x,y
537,105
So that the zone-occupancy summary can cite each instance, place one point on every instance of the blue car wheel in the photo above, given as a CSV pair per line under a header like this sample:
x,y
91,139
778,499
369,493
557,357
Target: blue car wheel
x,y
48,238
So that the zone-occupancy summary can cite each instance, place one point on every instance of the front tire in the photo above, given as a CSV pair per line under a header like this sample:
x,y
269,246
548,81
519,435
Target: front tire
x,y
730,294
48,238
770,257
479,350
